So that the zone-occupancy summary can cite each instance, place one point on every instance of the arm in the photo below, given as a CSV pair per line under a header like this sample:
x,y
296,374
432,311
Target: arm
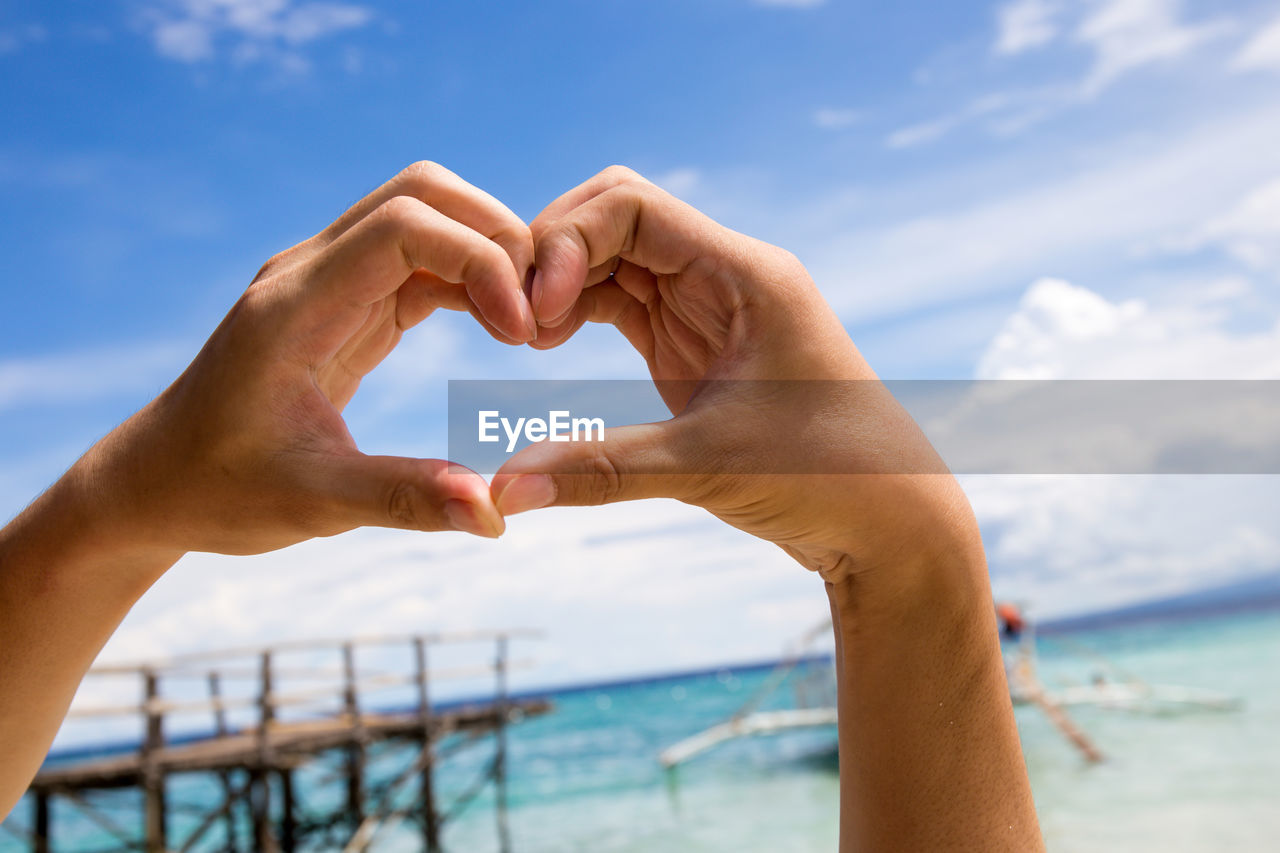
x,y
795,442
247,451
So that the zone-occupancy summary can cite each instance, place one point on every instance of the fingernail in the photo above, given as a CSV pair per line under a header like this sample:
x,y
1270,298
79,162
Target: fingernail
x,y
464,516
535,290
527,323
526,492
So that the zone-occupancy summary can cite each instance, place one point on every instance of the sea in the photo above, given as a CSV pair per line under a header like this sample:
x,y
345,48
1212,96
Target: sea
x,y
586,777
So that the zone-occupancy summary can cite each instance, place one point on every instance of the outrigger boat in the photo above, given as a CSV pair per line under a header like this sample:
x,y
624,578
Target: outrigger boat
x,y
815,693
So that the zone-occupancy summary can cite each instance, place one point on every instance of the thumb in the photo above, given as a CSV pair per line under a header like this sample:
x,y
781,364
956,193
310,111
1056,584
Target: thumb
x,y
412,494
631,463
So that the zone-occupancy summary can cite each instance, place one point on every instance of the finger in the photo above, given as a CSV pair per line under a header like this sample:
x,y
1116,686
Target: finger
x,y
423,293
603,303
613,271
602,181
631,463
377,255
634,221
437,187
582,193
411,494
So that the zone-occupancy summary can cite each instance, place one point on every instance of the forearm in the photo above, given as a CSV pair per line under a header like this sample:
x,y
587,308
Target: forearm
x,y
71,566
929,751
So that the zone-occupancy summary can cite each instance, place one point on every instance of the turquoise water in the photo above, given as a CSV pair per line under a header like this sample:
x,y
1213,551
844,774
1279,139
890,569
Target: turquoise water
x,y
586,776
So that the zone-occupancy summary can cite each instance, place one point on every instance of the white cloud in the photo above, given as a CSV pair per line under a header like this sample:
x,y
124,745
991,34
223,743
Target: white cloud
x,y
73,378
1073,544
1128,34
1024,25
187,41
426,356
921,134
1064,331
679,182
832,118
1249,231
1102,208
14,39
1079,544
1262,52
195,30
1122,36
311,21
1007,113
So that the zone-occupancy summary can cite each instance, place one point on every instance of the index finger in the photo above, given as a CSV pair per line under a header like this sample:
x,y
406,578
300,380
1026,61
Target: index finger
x,y
582,193
386,248
439,188
633,220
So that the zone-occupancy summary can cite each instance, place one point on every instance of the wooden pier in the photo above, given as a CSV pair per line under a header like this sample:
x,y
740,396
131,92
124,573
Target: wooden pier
x,y
258,804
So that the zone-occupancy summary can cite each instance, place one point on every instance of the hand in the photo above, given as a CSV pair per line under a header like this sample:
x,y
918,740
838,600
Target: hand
x,y
700,303
248,452
735,333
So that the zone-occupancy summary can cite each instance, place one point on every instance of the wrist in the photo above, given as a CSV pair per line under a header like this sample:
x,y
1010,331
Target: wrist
x,y
91,526
891,528
939,585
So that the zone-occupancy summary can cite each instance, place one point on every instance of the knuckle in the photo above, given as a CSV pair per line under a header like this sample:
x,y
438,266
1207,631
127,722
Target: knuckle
x,y
418,178
789,267
400,207
487,260
514,238
787,260
604,482
402,505
558,237
618,174
777,263
277,262
648,194
400,212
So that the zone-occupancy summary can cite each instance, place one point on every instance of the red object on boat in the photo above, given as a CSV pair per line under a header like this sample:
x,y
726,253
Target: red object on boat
x,y
1010,618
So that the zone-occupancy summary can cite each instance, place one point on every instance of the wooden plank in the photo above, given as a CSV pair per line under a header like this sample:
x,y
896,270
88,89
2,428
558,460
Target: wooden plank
x,y
237,750
273,748
309,696
202,658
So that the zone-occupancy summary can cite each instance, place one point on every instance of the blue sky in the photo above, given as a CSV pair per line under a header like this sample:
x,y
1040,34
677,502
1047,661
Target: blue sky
x,y
1082,188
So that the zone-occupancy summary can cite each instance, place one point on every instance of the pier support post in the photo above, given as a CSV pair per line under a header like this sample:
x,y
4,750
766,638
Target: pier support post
x,y
500,733
355,751
264,840
228,790
152,773
288,824
430,818
260,785
43,844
